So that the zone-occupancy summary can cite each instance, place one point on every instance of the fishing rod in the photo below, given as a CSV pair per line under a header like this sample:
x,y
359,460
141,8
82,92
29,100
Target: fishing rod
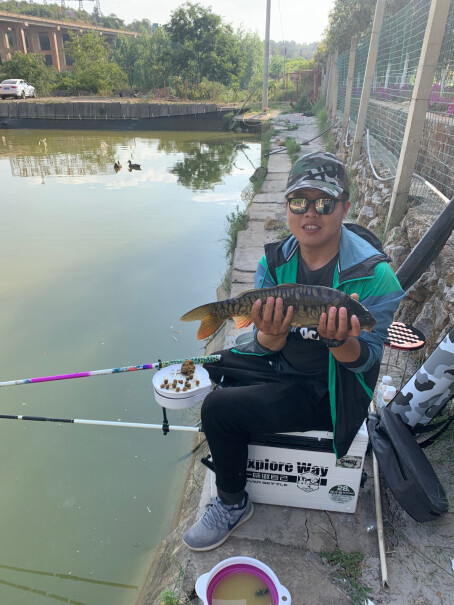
x,y
131,425
147,366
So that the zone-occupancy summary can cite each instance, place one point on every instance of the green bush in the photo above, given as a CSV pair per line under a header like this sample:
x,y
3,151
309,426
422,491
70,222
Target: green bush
x,y
303,105
293,148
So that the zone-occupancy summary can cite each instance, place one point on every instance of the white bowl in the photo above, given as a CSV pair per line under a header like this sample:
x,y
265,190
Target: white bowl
x,y
169,398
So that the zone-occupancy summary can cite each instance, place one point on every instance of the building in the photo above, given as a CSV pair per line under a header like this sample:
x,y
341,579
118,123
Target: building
x,y
45,36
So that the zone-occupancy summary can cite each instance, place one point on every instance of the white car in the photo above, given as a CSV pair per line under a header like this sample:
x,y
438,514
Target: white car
x,y
16,88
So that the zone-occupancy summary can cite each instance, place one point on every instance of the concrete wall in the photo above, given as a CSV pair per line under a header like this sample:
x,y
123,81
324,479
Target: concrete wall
x,y
101,110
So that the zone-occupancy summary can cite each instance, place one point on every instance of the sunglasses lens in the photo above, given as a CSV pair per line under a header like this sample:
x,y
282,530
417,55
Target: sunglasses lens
x,y
325,206
299,205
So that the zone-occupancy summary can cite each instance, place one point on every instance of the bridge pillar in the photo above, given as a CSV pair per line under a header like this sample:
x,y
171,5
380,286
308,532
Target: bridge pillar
x,y
61,49
54,50
20,39
5,53
34,41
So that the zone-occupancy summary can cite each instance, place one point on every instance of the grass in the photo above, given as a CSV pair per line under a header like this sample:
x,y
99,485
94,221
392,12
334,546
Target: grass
x,y
323,123
293,148
175,595
354,193
236,221
349,569
168,597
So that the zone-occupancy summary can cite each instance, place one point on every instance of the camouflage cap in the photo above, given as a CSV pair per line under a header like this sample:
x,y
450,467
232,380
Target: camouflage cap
x,y
319,170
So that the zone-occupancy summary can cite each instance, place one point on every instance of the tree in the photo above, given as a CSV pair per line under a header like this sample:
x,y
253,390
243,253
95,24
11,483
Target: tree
x,y
155,63
276,67
251,48
298,64
203,46
127,54
143,26
92,69
292,49
145,59
32,68
349,16
111,21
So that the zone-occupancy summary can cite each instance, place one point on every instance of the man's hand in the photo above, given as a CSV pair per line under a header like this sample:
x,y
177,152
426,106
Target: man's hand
x,y
272,324
334,325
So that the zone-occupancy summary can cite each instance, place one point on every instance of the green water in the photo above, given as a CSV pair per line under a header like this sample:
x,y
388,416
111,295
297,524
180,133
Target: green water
x,y
96,269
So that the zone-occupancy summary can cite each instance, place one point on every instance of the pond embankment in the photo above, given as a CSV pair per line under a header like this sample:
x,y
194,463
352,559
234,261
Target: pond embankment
x,y
111,115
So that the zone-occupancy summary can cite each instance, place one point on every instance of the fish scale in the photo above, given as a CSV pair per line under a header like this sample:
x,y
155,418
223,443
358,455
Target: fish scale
x,y
308,302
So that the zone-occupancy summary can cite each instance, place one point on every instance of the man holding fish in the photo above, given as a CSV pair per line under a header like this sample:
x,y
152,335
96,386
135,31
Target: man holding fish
x,y
316,353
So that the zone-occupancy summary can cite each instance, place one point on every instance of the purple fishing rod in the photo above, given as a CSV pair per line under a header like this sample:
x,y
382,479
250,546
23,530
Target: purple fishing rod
x,y
147,366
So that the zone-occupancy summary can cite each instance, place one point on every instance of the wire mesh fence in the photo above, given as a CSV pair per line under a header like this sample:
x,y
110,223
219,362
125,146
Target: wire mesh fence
x,y
400,43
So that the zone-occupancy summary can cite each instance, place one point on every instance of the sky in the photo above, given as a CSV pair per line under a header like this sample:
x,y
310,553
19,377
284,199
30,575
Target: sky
x,y
298,20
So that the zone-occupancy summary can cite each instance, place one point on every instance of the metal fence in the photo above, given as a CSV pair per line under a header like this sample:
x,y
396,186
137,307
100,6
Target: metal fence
x,y
399,50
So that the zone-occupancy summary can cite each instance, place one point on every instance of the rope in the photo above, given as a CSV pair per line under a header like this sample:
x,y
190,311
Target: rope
x,y
379,178
319,135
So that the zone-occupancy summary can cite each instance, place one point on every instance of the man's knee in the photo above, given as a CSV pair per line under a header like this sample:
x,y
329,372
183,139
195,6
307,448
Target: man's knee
x,y
219,408
210,406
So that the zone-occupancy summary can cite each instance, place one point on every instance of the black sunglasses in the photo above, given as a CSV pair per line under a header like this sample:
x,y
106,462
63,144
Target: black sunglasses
x,y
300,205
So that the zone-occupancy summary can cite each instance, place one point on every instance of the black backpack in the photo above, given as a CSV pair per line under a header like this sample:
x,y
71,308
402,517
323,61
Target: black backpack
x,y
405,467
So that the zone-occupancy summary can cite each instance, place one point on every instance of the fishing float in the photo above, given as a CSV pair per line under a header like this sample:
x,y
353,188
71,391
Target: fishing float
x,y
147,366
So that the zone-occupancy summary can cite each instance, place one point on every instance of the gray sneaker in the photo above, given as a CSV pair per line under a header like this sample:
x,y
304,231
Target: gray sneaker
x,y
217,524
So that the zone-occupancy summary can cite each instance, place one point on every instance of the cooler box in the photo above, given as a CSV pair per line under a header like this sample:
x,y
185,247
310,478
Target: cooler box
x,y
301,470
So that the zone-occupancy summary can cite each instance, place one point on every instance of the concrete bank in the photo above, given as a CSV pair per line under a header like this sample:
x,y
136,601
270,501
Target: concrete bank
x,y
110,115
290,540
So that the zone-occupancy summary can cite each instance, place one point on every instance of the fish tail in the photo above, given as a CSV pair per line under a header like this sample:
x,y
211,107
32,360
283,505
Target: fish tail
x,y
209,322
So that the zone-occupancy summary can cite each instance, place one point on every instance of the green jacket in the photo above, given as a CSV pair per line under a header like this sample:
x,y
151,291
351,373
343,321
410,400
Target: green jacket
x,y
362,268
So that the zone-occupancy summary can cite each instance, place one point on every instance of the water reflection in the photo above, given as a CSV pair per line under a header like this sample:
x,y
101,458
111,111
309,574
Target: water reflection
x,y
204,165
94,269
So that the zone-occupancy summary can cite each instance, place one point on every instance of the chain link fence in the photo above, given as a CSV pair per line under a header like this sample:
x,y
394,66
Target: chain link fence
x,y
400,43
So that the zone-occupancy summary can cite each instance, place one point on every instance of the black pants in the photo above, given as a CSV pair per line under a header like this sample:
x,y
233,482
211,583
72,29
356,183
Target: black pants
x,y
258,400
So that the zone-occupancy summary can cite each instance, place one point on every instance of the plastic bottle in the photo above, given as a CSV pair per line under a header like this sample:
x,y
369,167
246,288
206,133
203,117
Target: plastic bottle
x,y
388,394
385,382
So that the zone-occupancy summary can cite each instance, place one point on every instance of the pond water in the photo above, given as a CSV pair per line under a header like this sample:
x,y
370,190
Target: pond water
x,y
97,266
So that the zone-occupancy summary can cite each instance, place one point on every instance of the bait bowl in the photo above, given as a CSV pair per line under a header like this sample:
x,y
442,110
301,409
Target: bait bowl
x,y
206,584
170,398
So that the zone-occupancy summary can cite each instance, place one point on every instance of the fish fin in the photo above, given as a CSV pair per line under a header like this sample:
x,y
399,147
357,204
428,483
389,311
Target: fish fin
x,y
197,313
242,321
208,326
